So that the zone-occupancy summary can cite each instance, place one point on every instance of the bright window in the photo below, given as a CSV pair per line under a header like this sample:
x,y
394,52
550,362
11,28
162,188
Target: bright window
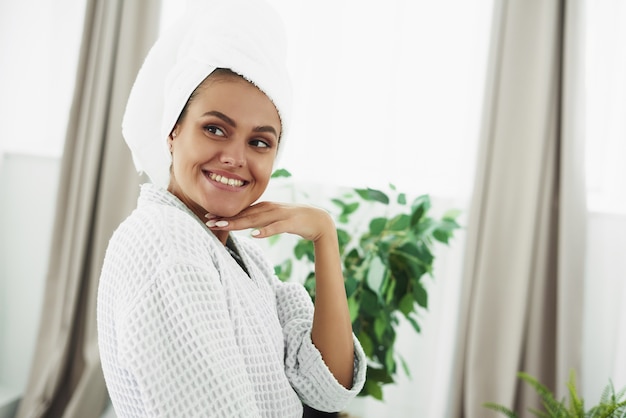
x,y
39,46
385,91
39,42
606,105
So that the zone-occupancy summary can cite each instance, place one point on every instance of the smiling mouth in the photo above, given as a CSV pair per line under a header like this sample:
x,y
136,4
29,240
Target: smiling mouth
x,y
226,181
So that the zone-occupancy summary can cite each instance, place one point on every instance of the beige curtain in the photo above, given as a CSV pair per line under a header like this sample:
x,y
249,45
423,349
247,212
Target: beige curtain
x,y
522,298
98,189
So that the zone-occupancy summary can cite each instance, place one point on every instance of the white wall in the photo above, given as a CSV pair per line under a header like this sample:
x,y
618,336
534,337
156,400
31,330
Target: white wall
x,y
28,187
605,287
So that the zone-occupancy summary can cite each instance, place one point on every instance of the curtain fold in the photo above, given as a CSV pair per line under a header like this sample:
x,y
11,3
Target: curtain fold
x,y
98,188
523,276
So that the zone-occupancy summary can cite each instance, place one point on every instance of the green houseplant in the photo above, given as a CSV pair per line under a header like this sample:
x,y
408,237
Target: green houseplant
x,y
386,245
611,404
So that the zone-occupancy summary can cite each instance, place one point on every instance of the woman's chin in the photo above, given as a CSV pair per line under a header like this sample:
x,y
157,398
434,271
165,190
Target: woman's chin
x,y
224,212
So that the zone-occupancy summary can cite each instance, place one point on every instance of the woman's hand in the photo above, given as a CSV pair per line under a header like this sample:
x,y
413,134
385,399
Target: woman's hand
x,y
270,218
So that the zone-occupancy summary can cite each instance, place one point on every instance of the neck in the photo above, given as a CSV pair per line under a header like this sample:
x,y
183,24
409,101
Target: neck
x,y
221,235
196,209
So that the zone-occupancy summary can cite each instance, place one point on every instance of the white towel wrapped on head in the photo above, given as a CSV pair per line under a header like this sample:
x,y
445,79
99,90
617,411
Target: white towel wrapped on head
x,y
245,36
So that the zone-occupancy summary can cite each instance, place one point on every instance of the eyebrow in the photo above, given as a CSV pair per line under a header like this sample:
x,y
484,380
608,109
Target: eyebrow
x,y
226,119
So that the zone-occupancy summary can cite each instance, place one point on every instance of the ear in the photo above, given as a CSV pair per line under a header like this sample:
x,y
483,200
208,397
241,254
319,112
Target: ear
x,y
172,136
174,132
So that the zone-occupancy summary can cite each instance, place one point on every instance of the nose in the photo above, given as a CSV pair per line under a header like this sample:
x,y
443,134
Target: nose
x,y
233,154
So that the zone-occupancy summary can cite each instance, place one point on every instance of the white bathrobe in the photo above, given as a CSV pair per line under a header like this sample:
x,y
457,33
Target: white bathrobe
x,y
184,332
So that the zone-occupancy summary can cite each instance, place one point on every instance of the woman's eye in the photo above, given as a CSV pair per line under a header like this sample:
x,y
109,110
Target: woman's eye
x,y
214,130
259,143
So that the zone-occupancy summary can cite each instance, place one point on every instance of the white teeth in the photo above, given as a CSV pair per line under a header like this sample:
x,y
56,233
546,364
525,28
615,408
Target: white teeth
x,y
226,180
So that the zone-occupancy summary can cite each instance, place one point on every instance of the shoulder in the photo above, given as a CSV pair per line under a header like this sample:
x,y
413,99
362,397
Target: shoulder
x,y
148,243
169,233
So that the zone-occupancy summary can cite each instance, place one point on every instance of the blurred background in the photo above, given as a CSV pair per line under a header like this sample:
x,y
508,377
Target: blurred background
x,y
423,95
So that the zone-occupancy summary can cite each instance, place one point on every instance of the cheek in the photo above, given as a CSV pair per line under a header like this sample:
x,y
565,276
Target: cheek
x,y
185,156
264,170
178,162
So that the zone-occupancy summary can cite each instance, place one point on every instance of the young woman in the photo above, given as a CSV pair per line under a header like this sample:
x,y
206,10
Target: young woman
x,y
191,319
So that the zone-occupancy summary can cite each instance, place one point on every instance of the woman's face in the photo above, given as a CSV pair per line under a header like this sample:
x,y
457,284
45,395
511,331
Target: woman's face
x,y
223,149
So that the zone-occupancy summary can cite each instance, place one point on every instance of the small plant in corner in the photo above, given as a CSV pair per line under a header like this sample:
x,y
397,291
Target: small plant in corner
x,y
611,404
386,245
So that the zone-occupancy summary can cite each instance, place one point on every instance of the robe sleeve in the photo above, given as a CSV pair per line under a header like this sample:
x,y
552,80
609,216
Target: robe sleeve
x,y
304,366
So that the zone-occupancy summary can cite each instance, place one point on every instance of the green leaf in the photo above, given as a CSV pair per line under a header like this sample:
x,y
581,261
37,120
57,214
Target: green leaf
x,y
366,343
350,208
304,248
441,236
420,206
444,230
369,303
283,271
378,375
401,275
576,403
424,254
452,214
351,285
374,389
346,209
399,222
424,228
375,274
552,406
281,172
353,307
379,327
390,362
339,203
373,195
414,323
343,238
351,259
390,291
382,247
272,240
422,201
420,295
405,367
406,304
377,225
402,199
408,262
500,408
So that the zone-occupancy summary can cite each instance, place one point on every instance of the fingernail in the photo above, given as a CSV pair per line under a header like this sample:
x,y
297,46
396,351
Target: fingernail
x,y
221,224
255,232
208,215
210,223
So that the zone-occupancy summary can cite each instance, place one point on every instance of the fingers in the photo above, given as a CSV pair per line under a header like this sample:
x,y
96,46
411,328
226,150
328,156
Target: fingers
x,y
275,228
272,228
251,214
257,217
268,218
